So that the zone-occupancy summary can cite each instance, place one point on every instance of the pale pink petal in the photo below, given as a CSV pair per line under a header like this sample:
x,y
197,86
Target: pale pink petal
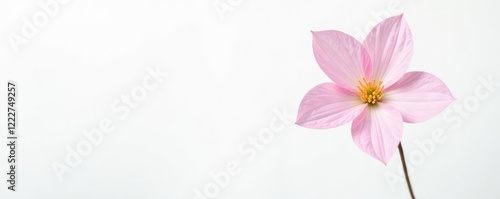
x,y
343,59
377,131
390,45
328,105
418,96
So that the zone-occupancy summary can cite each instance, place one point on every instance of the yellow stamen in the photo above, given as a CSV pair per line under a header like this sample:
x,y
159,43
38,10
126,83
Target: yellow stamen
x,y
370,92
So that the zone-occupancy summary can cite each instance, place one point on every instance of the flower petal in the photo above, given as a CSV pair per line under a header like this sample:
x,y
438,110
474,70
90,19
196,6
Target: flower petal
x,y
343,59
390,45
418,96
328,105
377,131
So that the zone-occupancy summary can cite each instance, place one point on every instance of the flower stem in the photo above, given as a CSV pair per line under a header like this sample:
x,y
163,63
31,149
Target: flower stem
x,y
402,155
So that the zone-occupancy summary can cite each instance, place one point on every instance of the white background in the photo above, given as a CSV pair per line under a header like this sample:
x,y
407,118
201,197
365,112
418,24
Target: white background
x,y
226,76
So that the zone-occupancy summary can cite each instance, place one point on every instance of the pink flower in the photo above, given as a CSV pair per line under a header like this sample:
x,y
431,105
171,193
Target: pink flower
x,y
372,87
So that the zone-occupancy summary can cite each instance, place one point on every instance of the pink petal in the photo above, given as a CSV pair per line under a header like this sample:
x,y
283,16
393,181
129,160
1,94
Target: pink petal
x,y
328,105
343,59
390,45
418,96
377,131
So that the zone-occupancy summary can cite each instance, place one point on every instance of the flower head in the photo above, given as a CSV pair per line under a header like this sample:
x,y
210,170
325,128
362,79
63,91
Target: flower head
x,y
371,87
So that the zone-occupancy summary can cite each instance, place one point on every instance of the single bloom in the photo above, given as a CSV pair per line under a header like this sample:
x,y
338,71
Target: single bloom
x,y
371,87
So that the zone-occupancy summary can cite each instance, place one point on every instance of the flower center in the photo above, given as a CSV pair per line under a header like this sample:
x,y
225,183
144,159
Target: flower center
x,y
370,92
